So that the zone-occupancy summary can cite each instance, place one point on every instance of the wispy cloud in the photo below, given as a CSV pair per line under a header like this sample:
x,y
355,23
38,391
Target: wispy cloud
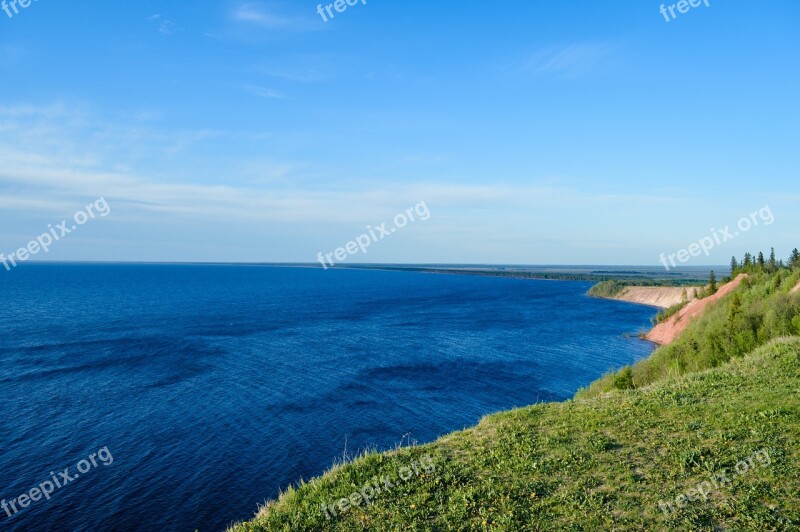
x,y
571,61
183,208
270,16
77,159
308,67
11,53
303,76
165,27
262,92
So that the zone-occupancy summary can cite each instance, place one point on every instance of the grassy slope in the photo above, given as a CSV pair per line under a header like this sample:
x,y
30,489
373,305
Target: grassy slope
x,y
767,310
601,461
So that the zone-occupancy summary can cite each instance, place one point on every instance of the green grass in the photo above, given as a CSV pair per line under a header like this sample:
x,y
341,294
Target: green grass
x,y
594,464
669,312
758,311
604,460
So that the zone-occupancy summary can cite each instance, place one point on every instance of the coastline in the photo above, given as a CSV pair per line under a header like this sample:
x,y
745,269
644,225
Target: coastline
x,y
662,297
401,454
537,444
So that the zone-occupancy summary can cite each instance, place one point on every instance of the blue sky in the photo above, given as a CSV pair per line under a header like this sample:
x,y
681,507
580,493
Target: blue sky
x,y
538,132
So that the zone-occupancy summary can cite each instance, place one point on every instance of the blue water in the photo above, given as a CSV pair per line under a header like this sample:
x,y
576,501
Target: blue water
x,y
212,387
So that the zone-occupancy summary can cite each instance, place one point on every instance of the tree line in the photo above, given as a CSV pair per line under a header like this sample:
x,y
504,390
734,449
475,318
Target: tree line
x,y
758,263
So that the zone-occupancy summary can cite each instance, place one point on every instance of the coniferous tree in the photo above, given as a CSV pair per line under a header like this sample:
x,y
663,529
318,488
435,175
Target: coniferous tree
x,y
761,261
773,263
748,262
712,282
794,259
734,310
734,266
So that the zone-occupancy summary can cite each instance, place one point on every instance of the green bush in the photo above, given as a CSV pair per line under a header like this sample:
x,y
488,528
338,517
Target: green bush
x,y
623,380
607,289
668,313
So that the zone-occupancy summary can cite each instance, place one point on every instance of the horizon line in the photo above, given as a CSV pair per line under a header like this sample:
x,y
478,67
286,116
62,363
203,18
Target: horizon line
x,y
363,264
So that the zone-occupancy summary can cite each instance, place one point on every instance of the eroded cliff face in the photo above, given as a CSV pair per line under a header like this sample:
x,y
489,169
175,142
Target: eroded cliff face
x,y
667,331
656,296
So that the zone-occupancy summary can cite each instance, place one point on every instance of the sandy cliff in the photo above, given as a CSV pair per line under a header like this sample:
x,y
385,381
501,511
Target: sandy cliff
x,y
666,331
656,296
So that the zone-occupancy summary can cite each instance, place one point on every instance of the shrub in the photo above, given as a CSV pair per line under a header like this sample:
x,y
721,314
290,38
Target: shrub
x,y
607,289
669,312
624,379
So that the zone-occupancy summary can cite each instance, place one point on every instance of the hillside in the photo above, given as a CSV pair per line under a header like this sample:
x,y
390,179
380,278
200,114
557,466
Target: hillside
x,y
724,396
593,464
668,330
656,296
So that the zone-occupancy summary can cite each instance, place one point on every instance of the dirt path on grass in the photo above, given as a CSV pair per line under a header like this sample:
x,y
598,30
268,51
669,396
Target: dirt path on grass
x,y
666,331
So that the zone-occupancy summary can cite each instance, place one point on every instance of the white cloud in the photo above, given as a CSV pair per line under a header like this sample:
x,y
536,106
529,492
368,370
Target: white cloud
x,y
268,15
68,161
571,61
165,27
262,92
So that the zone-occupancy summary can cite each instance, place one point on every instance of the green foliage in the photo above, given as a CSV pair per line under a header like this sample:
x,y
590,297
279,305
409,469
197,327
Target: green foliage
x,y
760,310
607,289
734,267
669,312
712,283
794,259
623,380
613,287
759,264
734,311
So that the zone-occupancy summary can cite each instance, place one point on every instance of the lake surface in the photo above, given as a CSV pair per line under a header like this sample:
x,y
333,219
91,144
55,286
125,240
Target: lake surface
x,y
212,387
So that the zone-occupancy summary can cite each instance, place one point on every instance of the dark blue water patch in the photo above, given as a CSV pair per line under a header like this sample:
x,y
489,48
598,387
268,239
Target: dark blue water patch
x,y
216,386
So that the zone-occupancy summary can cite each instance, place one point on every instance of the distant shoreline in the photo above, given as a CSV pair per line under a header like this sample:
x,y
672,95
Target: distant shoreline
x,y
565,272
644,276
661,297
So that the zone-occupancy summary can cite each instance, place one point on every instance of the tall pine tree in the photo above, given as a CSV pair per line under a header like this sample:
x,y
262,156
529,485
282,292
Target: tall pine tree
x,y
712,282
794,259
734,266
